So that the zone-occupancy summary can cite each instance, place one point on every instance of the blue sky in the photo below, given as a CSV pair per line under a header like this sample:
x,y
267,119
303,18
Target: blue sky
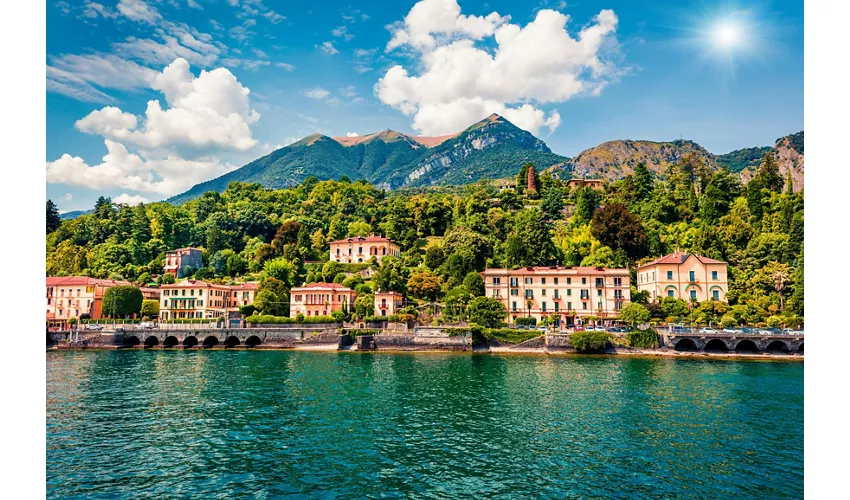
x,y
725,74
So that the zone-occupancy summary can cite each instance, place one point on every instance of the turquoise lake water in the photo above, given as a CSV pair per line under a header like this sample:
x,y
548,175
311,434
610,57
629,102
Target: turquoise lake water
x,y
271,424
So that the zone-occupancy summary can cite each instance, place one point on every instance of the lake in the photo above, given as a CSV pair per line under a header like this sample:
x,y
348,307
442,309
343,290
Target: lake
x,y
265,424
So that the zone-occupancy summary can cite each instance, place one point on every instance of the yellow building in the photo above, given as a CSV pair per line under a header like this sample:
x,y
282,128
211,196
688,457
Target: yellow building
x,y
320,299
194,299
685,276
388,303
73,296
573,293
362,248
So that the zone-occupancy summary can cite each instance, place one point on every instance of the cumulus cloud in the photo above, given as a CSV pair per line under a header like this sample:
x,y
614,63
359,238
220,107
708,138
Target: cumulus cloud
x,y
286,66
352,134
138,10
174,144
328,48
132,200
317,93
461,82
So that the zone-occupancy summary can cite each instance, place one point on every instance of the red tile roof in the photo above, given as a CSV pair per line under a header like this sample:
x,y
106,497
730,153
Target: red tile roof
x,y
577,270
82,280
336,287
363,239
679,258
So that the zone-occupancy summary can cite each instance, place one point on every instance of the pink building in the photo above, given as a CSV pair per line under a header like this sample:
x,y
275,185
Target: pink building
x,y
388,303
362,248
179,260
571,293
685,276
73,296
320,299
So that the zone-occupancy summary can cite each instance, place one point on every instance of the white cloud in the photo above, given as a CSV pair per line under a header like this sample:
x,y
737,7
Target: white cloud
x,y
92,10
62,82
431,21
138,10
461,82
274,17
317,93
68,197
352,134
132,200
194,5
106,71
328,48
286,66
204,114
259,53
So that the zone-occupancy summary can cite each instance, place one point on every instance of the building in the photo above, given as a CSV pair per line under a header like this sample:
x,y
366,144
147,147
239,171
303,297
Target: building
x,y
685,276
178,261
592,183
150,292
320,299
504,184
388,303
196,299
362,248
73,296
572,293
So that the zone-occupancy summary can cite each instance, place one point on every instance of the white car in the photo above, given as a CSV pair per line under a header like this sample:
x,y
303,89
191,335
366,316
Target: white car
x,y
93,327
709,331
730,331
147,325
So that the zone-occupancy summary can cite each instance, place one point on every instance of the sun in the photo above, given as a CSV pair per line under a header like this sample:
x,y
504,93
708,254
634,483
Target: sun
x,y
727,35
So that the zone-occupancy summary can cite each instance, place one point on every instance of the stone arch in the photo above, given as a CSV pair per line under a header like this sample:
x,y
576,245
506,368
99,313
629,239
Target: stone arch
x,y
231,341
777,346
800,349
253,341
685,345
131,341
746,345
190,341
359,260
151,341
170,341
210,341
716,345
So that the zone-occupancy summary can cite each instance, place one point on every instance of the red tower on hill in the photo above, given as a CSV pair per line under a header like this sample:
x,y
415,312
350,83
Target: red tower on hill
x,y
532,186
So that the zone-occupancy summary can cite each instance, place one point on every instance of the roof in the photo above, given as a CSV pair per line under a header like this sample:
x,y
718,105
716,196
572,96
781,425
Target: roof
x,y
679,258
245,286
83,280
364,239
566,270
187,283
388,293
335,287
184,248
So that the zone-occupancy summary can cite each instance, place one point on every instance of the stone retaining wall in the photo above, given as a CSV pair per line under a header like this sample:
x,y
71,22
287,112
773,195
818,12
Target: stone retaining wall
x,y
423,342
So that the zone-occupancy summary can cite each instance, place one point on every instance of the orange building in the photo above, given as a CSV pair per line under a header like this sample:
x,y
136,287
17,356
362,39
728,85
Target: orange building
x,y
685,276
592,183
195,299
572,293
388,303
73,296
320,299
362,248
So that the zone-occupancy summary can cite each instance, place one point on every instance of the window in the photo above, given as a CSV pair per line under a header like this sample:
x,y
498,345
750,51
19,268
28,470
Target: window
x,y
618,306
543,292
497,293
600,282
714,275
669,293
669,275
337,251
514,282
585,294
692,275
359,249
556,307
497,281
529,281
618,281
569,305
514,291
715,295
542,281
556,280
556,294
513,305
569,281
618,294
200,292
200,303
192,293
584,281
584,305
569,292
543,305
529,294
598,293
693,294
184,292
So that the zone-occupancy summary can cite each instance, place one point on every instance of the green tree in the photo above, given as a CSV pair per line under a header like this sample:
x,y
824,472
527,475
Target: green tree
x,y
122,301
642,182
586,203
530,241
281,269
359,228
474,283
391,276
268,303
425,284
487,312
552,203
634,314
150,308
615,226
53,218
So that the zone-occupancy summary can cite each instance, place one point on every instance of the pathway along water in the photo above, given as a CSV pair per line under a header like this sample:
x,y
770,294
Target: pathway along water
x,y
222,424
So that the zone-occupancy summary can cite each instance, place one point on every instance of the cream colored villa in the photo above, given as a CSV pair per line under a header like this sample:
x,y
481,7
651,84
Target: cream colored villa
x,y
320,299
195,299
73,296
685,276
572,293
362,248
388,303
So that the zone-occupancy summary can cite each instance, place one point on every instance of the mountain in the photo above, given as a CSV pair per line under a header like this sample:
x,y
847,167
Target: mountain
x,y
789,156
491,148
617,159
74,214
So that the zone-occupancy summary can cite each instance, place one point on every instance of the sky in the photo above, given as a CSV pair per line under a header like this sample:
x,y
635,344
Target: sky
x,y
148,97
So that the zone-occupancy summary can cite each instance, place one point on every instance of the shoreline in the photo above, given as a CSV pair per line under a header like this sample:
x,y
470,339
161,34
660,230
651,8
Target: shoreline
x,y
537,351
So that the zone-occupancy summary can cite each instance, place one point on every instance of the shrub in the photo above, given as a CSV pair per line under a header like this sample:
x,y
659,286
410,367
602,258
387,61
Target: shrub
x,y
72,321
525,321
247,310
590,341
150,308
263,319
121,301
644,339
486,311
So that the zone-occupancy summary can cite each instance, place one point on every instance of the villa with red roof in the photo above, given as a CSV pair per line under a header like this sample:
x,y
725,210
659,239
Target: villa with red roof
x,y
320,299
362,248
196,299
73,296
571,293
685,276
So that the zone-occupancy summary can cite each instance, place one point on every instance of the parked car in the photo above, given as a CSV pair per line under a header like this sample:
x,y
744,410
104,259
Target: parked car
x,y
93,327
748,330
678,329
709,331
730,331
789,331
146,325
578,328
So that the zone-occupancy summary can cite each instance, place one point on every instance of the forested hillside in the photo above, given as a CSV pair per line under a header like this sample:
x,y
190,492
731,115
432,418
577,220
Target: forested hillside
x,y
252,233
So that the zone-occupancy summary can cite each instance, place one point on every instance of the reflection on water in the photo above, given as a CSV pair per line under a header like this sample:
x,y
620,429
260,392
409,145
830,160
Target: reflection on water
x,y
236,423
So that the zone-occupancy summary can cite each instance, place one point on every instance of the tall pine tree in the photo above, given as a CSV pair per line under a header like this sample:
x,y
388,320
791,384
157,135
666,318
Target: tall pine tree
x,y
53,219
